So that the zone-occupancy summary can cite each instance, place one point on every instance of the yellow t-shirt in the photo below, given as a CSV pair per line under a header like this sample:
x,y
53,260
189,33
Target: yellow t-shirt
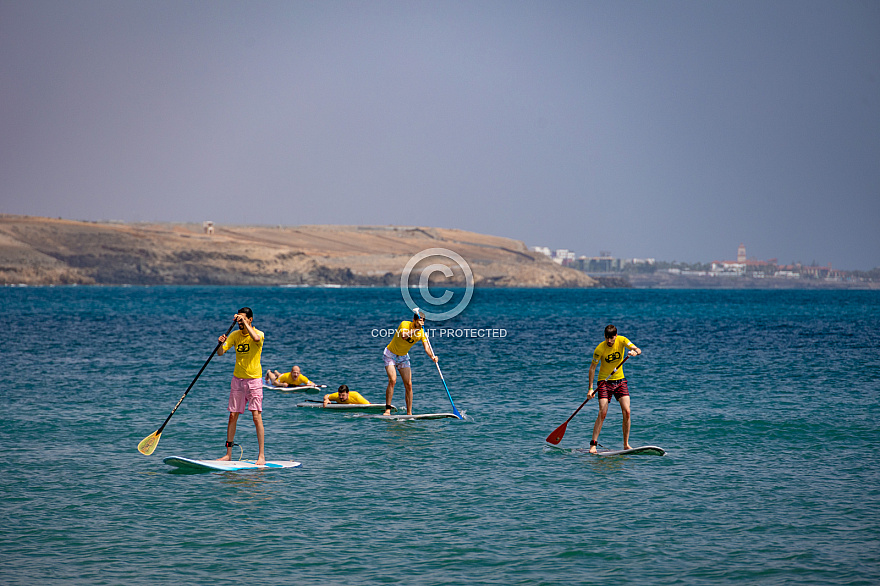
x,y
298,382
354,398
247,353
405,337
611,356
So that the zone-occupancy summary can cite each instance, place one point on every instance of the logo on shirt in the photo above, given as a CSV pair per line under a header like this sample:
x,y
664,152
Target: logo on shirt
x,y
243,348
612,357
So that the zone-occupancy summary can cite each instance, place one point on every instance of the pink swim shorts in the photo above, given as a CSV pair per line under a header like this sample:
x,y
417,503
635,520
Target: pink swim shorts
x,y
246,392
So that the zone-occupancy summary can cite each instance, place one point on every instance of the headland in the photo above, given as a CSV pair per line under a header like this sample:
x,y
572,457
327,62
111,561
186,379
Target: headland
x,y
48,251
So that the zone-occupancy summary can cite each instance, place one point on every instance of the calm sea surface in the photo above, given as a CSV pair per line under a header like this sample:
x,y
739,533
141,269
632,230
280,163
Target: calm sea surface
x,y
766,401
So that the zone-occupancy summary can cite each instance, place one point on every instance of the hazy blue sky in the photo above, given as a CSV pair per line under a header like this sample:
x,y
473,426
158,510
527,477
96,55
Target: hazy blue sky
x,y
673,130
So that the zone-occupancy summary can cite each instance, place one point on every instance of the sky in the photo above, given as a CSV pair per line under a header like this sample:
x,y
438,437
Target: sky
x,y
673,130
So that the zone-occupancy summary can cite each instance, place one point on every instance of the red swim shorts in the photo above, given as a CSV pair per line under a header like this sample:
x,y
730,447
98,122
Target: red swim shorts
x,y
617,388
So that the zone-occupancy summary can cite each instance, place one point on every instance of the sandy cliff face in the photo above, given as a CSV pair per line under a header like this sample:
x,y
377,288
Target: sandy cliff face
x,y
43,251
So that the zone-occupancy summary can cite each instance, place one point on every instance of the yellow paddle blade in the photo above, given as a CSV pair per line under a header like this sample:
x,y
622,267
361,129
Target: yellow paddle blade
x,y
149,443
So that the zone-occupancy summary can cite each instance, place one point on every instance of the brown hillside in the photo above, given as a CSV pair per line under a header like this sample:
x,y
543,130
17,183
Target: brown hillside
x,y
43,251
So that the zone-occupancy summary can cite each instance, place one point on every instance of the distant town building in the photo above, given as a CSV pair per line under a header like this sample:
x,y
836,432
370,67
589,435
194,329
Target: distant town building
x,y
542,249
742,266
563,256
604,263
759,269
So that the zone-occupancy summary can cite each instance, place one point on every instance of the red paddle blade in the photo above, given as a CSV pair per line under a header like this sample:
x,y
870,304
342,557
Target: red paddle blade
x,y
556,437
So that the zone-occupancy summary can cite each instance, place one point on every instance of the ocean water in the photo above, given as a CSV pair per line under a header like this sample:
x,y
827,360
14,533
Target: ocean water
x,y
766,402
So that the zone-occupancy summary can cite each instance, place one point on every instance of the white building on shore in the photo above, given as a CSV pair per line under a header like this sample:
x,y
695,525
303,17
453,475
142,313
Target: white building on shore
x,y
543,250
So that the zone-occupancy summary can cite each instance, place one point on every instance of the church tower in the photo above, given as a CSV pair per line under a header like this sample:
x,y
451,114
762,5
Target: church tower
x,y
741,253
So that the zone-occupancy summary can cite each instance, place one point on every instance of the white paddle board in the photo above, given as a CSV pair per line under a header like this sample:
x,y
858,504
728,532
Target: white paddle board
x,y
420,417
639,451
302,389
223,465
370,408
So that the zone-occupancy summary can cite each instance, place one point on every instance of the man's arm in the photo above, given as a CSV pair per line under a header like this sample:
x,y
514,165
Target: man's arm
x,y
249,328
221,350
428,349
634,350
592,374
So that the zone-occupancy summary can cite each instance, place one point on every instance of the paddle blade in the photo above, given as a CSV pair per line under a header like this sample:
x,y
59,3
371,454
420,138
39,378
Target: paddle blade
x,y
149,443
556,437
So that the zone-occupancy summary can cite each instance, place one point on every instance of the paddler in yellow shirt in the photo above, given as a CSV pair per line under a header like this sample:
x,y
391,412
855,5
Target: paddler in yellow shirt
x,y
294,378
609,355
247,378
344,396
396,357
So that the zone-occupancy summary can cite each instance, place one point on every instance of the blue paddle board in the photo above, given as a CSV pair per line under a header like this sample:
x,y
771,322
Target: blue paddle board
x,y
224,465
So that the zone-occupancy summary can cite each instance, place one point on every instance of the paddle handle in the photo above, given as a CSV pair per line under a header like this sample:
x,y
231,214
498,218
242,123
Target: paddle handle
x,y
201,370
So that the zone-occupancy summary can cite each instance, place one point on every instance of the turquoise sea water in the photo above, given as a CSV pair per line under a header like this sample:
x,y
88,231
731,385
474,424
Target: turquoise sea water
x,y
766,401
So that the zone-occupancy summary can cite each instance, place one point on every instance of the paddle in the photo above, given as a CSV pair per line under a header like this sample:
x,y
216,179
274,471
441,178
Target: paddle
x,y
556,437
149,443
454,410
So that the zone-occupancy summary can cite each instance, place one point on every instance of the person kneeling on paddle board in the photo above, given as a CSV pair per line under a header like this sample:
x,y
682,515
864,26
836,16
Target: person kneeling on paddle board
x,y
610,355
396,357
343,395
294,378
247,378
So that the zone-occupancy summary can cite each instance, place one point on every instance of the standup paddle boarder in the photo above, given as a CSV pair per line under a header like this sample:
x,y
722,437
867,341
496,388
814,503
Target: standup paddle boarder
x,y
396,357
247,378
610,355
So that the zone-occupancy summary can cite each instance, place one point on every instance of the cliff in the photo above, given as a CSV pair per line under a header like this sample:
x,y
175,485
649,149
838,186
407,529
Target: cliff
x,y
46,251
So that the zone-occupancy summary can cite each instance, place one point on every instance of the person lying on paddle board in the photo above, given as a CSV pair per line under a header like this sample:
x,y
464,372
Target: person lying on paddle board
x,y
294,378
343,395
246,389
396,357
610,355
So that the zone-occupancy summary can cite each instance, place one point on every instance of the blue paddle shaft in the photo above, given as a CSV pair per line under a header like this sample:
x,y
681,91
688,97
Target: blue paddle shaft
x,y
454,410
